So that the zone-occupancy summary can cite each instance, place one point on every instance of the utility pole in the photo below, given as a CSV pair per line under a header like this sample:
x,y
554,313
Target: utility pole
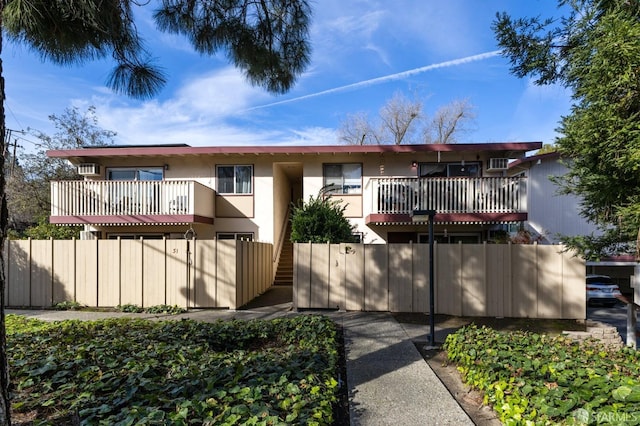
x,y
8,144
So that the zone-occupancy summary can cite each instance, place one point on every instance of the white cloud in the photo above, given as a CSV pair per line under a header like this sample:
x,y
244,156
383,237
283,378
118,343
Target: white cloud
x,y
218,94
198,112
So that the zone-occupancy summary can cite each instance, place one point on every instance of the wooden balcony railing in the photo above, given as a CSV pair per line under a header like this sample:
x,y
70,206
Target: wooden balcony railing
x,y
117,198
449,195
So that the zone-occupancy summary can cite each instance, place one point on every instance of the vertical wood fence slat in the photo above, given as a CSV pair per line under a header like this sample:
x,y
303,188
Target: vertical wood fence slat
x,y
41,291
131,272
420,282
226,274
176,278
376,278
19,271
573,279
338,255
496,277
303,281
473,285
109,272
320,276
153,272
448,263
524,279
354,278
400,280
204,272
87,272
241,273
63,270
550,294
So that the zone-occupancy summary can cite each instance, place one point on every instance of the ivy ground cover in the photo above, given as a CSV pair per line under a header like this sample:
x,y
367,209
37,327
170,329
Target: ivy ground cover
x,y
538,379
132,371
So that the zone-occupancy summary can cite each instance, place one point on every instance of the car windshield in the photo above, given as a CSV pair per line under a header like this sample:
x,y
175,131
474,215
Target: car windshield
x,y
599,280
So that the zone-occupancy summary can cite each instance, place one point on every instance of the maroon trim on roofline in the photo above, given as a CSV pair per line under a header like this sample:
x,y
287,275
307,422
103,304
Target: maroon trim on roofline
x,y
290,149
448,218
130,219
549,155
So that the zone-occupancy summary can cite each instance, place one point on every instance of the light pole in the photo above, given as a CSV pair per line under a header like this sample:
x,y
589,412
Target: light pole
x,y
420,216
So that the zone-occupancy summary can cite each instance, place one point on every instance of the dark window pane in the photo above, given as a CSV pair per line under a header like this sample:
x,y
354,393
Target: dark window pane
x,y
225,179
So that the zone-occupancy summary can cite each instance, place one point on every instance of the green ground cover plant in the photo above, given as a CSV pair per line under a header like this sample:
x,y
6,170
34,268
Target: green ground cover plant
x,y
155,309
538,379
134,371
68,305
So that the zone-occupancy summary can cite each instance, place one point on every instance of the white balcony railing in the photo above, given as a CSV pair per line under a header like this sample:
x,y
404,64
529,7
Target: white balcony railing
x,y
449,195
116,198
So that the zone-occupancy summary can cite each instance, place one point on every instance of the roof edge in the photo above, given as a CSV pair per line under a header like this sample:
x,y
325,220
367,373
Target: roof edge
x,y
290,149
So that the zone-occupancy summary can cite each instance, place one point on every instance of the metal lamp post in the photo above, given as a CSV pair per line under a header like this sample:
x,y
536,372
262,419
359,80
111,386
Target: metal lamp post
x,y
420,216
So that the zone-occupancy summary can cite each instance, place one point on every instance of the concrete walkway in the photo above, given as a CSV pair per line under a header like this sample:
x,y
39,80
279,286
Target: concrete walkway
x,y
389,382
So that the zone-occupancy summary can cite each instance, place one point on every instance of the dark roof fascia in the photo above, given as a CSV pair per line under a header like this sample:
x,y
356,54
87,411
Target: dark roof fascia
x,y
149,151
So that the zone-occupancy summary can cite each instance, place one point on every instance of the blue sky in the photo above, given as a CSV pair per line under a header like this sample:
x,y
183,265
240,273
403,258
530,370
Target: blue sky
x,y
364,52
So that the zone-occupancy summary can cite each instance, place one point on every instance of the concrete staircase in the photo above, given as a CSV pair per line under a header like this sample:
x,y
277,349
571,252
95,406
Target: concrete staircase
x,y
284,273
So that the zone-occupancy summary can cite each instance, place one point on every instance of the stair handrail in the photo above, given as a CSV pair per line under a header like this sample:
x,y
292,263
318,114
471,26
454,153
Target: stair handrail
x,y
283,232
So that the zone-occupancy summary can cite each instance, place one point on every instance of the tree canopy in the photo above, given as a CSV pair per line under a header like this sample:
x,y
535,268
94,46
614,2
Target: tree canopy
x,y
267,40
594,51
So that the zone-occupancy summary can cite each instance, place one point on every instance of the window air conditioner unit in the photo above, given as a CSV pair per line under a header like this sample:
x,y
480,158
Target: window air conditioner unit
x,y
88,169
498,164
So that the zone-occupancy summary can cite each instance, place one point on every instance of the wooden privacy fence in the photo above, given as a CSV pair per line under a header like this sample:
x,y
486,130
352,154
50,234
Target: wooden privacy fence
x,y
107,273
492,280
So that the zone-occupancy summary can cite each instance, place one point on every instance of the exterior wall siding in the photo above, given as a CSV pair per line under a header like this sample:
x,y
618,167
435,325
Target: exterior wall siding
x,y
551,213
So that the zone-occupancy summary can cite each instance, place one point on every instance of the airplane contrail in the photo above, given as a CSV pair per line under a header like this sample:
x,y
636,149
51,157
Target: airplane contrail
x,y
385,78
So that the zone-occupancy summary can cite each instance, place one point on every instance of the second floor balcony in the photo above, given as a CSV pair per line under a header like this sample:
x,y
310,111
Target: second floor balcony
x,y
131,202
465,199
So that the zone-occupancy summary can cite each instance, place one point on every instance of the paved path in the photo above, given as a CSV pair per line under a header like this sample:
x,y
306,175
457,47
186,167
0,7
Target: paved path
x,y
389,381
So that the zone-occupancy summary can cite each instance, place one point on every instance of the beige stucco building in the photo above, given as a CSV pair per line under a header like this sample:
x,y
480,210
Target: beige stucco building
x,y
246,192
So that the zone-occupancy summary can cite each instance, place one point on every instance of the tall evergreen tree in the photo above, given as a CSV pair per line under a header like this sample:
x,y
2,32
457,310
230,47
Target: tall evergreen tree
x,y
595,52
267,40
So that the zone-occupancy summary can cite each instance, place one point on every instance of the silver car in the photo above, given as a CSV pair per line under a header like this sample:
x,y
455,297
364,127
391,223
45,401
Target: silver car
x,y
601,290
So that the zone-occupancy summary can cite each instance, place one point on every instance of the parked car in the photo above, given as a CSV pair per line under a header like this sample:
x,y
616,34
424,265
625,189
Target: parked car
x,y
602,290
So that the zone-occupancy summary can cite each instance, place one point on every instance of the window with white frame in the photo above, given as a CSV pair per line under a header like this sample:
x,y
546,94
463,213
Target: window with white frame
x,y
343,178
234,179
